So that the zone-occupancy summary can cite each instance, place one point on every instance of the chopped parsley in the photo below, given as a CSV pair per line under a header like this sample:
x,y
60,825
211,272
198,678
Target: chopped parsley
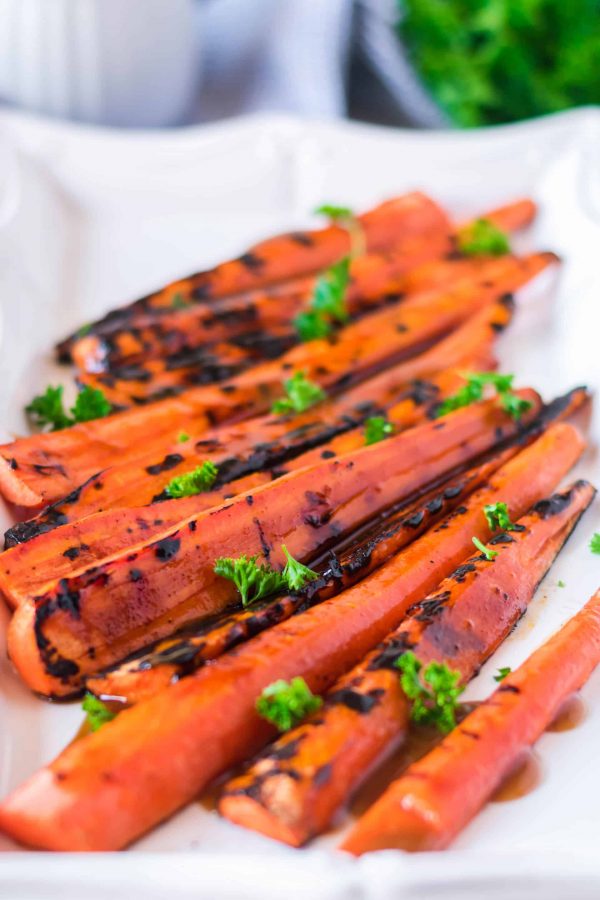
x,y
312,325
473,391
328,303
197,482
595,543
503,671
48,408
84,330
254,582
498,518
433,691
178,301
377,428
561,584
97,713
286,704
182,437
301,394
482,238
486,551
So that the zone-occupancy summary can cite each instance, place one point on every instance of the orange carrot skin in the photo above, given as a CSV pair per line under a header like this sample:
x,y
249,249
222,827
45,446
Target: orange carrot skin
x,y
285,256
436,797
107,789
461,623
154,588
179,656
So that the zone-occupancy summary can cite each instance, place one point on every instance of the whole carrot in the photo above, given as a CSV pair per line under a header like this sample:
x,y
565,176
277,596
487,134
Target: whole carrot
x,y
294,789
107,789
436,797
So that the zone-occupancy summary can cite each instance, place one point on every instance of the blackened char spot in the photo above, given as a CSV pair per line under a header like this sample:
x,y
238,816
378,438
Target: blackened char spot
x,y
167,548
251,261
72,552
427,609
509,689
322,775
360,703
502,539
169,462
461,573
555,504
265,546
394,647
422,392
319,511
301,238
135,575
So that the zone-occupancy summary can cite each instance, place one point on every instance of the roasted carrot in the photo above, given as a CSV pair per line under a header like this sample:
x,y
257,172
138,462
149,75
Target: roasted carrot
x,y
373,282
155,587
110,787
363,346
437,796
372,279
284,257
43,468
177,657
473,338
292,792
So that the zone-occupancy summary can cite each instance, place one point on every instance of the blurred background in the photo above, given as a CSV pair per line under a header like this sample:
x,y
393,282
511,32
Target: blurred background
x,y
421,63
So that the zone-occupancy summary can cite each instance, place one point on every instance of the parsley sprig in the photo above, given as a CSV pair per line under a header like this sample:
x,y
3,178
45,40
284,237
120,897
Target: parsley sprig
x,y
48,408
200,480
254,582
377,428
97,713
473,391
486,551
595,543
344,216
498,517
301,394
328,303
434,691
286,704
482,238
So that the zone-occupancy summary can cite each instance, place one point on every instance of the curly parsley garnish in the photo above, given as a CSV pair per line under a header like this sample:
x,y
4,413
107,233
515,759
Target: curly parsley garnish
x,y
486,551
48,408
483,238
197,482
182,437
301,394
254,582
97,713
433,691
377,428
498,518
473,391
328,303
286,704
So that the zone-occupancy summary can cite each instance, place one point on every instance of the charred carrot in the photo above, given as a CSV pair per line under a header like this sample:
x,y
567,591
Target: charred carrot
x,y
437,796
373,282
363,346
89,797
43,468
284,257
180,656
294,789
151,335
171,581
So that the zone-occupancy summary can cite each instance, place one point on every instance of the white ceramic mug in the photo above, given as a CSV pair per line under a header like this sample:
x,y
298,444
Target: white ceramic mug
x,y
108,62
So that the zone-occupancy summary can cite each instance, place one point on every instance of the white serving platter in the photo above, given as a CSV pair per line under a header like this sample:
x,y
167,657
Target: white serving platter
x,y
92,218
